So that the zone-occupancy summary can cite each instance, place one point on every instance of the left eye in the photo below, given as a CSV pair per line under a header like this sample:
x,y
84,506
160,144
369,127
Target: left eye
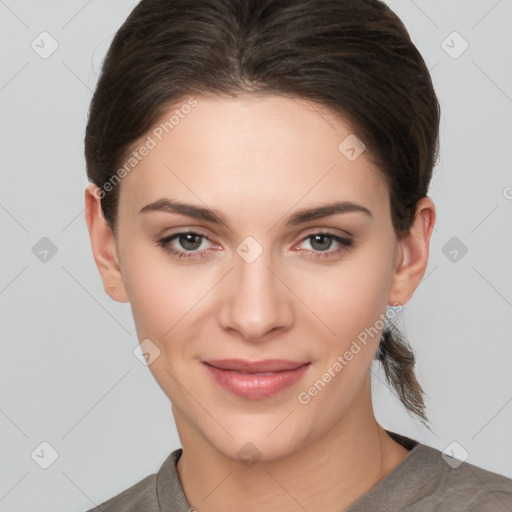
x,y
191,242
321,242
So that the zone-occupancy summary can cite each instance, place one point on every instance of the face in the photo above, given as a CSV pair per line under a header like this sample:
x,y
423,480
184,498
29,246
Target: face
x,y
253,281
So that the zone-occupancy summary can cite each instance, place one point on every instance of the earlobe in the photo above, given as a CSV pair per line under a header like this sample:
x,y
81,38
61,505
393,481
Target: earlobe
x,y
412,254
104,246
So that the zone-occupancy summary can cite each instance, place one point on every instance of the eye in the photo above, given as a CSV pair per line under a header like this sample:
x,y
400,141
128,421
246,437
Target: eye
x,y
321,243
190,242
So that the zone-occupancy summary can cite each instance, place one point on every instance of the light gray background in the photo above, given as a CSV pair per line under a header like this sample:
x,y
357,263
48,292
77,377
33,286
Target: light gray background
x,y
68,373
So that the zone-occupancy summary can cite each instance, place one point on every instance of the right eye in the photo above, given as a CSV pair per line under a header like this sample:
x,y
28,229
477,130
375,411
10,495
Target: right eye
x,y
190,242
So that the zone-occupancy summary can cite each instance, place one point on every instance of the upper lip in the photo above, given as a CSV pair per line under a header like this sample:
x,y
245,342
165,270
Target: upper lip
x,y
266,365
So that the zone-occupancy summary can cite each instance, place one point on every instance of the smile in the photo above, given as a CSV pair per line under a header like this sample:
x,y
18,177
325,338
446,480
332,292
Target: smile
x,y
255,380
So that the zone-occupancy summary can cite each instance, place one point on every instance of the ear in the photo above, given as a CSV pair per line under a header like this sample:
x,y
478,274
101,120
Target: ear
x,y
104,246
412,254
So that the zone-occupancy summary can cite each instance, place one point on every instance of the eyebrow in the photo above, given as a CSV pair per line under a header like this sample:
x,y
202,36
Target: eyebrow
x,y
215,217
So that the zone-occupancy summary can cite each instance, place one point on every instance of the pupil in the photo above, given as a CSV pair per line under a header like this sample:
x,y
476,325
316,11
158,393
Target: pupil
x,y
188,243
321,238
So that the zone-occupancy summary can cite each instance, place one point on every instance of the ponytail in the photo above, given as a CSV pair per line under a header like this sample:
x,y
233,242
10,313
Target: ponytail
x,y
397,359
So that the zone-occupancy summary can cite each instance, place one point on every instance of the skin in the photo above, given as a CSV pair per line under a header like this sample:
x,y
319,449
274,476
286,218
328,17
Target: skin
x,y
258,160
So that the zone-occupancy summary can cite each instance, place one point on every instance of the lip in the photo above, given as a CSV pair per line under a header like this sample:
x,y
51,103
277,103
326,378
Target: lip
x,y
255,379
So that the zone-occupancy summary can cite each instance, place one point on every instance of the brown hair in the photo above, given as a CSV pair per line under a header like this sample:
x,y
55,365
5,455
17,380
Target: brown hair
x,y
353,56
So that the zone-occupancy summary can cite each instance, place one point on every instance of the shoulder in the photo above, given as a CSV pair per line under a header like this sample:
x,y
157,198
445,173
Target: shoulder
x,y
428,480
456,485
139,497
154,493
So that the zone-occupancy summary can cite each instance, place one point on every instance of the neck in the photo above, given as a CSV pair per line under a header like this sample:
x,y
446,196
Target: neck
x,y
328,474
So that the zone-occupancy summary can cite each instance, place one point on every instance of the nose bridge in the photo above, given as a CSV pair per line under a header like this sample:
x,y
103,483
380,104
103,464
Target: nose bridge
x,y
258,301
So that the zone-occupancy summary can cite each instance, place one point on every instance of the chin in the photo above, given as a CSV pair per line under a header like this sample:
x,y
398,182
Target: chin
x,y
258,441
251,452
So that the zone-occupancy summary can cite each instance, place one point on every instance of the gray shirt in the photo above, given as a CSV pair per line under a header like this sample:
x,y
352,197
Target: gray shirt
x,y
423,481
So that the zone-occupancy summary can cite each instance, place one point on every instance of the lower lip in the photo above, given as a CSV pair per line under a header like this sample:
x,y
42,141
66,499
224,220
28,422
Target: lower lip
x,y
256,386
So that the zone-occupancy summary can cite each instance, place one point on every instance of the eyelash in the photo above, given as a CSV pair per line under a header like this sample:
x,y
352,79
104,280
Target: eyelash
x,y
164,243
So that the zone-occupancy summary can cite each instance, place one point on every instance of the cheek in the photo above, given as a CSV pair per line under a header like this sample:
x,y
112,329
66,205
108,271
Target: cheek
x,y
153,290
351,300
348,297
164,295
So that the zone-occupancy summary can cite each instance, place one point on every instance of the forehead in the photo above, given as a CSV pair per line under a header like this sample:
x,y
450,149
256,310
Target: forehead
x,y
252,151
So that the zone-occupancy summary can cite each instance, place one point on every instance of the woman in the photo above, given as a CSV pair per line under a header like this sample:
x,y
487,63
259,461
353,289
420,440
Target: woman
x,y
259,173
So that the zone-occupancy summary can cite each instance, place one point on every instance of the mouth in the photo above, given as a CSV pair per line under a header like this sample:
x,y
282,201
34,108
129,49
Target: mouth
x,y
255,379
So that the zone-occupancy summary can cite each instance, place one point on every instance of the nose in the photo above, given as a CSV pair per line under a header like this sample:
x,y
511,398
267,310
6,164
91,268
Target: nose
x,y
256,301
